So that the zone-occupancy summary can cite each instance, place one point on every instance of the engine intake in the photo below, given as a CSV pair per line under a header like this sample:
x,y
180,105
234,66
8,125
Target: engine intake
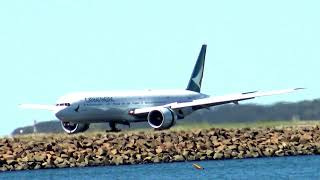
x,y
71,128
162,118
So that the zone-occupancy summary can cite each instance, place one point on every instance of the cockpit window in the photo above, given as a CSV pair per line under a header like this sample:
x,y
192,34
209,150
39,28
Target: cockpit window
x,y
63,104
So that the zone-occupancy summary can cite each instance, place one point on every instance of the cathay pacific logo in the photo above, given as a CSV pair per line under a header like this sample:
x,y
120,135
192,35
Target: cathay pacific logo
x,y
77,108
197,78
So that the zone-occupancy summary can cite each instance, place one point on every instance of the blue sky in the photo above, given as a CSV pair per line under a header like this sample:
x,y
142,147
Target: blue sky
x,y
51,48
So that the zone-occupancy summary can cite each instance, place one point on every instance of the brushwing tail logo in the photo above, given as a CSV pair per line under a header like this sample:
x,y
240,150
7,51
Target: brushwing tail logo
x,y
198,78
77,108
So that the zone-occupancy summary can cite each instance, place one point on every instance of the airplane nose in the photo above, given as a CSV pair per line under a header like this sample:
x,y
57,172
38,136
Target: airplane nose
x,y
59,114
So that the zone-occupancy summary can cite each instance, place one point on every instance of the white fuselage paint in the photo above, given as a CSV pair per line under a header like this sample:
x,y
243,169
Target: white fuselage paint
x,y
93,107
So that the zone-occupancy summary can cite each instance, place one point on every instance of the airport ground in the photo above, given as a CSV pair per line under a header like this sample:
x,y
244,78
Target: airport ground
x,y
185,142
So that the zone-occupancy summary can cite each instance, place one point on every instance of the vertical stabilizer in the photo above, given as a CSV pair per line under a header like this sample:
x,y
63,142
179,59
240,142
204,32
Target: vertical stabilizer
x,y
197,73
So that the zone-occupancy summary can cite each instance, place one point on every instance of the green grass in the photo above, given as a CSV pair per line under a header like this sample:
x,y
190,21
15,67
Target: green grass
x,y
257,124
179,127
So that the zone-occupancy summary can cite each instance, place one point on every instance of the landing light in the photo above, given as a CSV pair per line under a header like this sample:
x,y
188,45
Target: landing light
x,y
131,112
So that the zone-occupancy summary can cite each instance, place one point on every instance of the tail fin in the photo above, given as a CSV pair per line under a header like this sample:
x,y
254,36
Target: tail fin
x,y
197,74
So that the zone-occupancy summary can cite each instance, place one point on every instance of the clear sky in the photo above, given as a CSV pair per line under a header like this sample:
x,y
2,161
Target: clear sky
x,y
51,48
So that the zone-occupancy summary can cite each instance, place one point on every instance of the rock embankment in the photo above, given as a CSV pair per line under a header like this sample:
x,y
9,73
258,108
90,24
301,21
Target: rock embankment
x,y
35,152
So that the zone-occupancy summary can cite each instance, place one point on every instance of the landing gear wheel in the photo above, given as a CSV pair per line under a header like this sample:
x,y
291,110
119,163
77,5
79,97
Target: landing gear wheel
x,y
126,123
113,127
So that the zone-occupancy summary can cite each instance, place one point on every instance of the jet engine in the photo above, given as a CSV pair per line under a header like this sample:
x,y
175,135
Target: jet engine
x,y
71,128
162,118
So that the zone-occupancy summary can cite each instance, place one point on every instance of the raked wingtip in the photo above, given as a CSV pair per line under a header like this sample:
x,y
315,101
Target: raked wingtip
x,y
296,89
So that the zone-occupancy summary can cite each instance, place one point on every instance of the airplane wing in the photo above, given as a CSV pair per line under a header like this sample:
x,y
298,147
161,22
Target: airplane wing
x,y
38,106
214,101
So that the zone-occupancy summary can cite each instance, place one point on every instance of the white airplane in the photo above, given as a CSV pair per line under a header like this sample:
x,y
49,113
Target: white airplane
x,y
161,108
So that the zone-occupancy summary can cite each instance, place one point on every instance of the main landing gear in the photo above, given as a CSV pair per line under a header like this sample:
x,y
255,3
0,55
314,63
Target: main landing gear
x,y
113,126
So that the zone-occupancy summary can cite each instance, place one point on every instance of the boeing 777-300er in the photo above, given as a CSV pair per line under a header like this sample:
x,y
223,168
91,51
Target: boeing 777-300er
x,y
161,108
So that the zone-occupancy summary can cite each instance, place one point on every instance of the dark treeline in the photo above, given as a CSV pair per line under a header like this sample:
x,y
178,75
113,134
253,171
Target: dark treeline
x,y
304,110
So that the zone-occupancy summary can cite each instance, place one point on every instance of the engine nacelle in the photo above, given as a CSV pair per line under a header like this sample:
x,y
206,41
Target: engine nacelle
x,y
162,118
71,128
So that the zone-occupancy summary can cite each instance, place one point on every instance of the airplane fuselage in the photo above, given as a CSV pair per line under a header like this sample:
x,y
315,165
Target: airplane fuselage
x,y
95,107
